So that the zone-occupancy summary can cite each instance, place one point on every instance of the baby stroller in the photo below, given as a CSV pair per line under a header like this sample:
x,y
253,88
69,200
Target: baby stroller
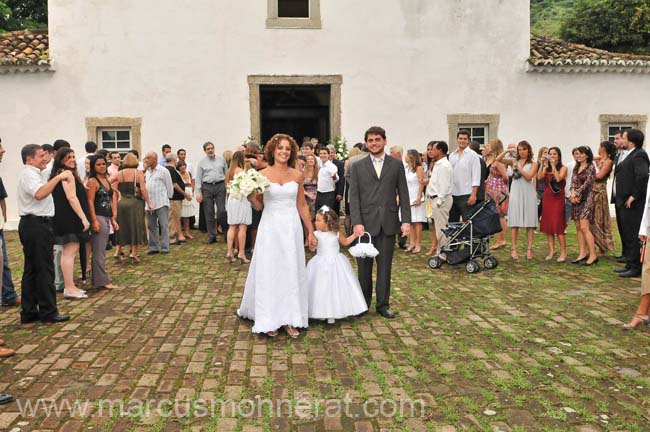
x,y
469,240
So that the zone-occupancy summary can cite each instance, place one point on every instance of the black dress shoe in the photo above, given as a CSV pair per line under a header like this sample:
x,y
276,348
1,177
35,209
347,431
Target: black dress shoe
x,y
152,252
56,319
579,260
24,320
5,398
386,313
630,273
212,240
621,270
620,259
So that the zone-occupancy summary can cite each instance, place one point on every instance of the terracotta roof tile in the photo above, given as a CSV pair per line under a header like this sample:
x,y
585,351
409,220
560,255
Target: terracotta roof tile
x,y
549,52
24,48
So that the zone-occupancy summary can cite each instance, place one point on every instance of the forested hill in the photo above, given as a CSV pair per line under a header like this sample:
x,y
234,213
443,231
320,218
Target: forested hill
x,y
546,15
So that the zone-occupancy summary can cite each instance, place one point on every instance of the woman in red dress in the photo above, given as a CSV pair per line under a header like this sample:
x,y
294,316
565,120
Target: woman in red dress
x,y
553,173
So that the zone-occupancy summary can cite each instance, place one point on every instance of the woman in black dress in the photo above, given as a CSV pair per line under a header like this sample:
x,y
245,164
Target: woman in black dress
x,y
70,219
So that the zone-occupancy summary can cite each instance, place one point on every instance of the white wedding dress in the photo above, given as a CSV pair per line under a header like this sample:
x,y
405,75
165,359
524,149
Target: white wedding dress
x,y
276,287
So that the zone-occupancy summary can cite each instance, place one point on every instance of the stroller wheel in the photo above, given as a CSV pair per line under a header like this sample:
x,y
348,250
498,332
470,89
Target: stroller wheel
x,y
472,266
490,262
435,262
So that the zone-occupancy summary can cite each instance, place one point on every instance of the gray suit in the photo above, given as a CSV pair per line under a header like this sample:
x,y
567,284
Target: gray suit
x,y
373,204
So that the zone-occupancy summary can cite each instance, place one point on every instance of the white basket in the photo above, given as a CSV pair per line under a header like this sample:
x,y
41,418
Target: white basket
x,y
364,250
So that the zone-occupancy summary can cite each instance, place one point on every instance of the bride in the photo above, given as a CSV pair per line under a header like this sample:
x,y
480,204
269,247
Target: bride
x,y
275,294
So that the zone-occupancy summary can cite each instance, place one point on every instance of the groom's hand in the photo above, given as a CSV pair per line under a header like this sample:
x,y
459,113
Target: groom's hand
x,y
312,242
406,229
358,230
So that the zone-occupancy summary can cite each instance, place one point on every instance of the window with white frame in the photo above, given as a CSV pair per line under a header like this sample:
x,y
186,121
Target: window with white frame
x,y
293,14
477,132
613,128
115,139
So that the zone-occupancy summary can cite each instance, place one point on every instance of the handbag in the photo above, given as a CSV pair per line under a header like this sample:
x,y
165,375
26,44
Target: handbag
x,y
555,185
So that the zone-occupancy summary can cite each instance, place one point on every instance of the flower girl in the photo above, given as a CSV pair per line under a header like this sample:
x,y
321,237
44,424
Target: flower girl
x,y
334,291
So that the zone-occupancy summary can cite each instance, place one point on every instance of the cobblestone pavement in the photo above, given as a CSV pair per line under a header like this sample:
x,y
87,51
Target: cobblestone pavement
x,y
530,345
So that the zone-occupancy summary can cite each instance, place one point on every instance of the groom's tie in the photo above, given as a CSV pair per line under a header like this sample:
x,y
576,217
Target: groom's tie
x,y
377,163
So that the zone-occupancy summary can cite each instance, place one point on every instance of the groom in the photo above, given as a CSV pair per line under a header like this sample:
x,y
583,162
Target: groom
x,y
376,183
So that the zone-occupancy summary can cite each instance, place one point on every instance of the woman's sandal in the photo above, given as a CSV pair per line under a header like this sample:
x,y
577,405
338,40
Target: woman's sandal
x,y
292,332
135,258
529,254
513,254
640,319
243,259
272,334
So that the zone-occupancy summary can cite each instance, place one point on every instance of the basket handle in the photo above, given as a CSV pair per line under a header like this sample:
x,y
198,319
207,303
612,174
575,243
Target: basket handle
x,y
366,233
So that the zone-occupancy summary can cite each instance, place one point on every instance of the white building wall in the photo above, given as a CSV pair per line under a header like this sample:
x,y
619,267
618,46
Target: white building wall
x,y
406,65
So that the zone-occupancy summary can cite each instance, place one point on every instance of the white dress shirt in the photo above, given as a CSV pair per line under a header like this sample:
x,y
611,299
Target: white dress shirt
x,y
467,171
440,180
29,181
325,181
159,186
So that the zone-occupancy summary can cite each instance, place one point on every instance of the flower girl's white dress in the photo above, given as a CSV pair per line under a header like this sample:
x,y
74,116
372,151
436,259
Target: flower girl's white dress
x,y
334,290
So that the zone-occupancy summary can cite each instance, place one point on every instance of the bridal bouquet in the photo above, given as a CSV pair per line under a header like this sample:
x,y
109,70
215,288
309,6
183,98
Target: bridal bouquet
x,y
247,182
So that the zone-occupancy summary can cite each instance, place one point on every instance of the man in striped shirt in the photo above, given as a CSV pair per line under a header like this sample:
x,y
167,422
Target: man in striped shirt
x,y
160,190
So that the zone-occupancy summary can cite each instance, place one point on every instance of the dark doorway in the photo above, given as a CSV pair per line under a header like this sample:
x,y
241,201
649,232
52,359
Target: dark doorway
x,y
297,110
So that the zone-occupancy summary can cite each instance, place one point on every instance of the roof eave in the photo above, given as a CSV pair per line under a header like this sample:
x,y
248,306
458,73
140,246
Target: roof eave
x,y
26,68
578,66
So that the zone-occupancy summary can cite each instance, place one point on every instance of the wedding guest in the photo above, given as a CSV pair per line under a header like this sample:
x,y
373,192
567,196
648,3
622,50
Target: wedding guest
x,y
187,210
227,156
36,209
467,177
102,206
116,160
641,315
327,179
182,157
130,208
58,274
211,189
496,186
441,177
275,294
239,212
160,190
4,352
522,209
9,296
70,219
340,184
601,227
91,148
302,162
334,290
582,209
179,195
84,247
553,173
414,176
310,175
164,151
631,180
567,194
621,152
540,186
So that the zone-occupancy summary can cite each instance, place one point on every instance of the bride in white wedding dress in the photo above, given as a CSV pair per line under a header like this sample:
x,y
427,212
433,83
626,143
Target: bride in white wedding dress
x,y
275,294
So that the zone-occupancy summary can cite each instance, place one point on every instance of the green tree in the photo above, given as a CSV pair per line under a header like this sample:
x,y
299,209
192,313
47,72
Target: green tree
x,y
21,14
614,25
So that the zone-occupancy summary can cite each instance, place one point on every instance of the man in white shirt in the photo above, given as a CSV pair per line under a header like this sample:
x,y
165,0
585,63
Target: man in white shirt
x,y
327,178
160,189
91,148
36,209
621,153
467,178
439,190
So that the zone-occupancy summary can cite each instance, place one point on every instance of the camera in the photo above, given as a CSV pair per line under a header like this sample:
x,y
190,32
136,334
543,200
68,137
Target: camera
x,y
516,174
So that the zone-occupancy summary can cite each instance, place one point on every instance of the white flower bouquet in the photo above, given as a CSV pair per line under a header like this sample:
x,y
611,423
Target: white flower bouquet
x,y
247,182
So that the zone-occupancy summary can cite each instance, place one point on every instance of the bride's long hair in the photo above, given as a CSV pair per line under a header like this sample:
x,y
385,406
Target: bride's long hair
x,y
238,161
